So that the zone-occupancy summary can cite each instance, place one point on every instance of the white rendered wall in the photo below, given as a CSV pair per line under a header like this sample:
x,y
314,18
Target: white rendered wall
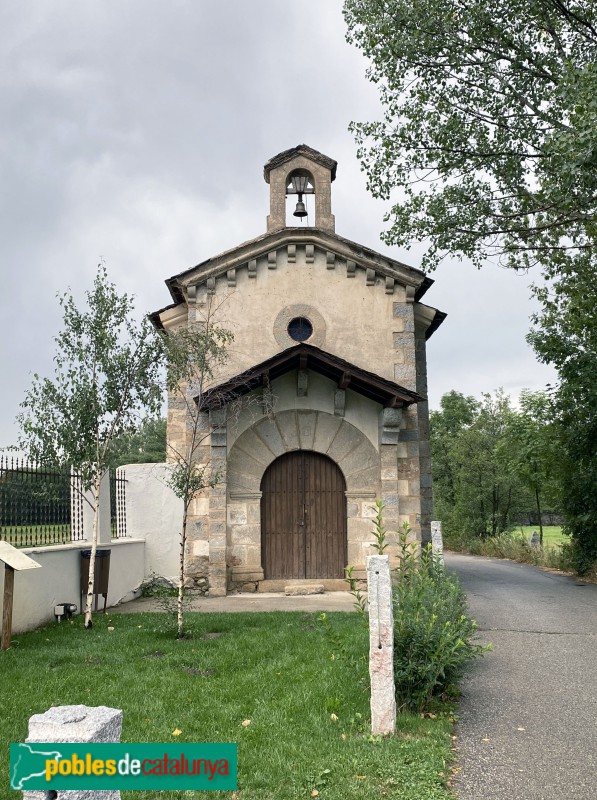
x,y
154,513
37,591
153,519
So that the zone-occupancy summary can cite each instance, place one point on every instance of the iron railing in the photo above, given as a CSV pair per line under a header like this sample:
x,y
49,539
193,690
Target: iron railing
x,y
44,506
118,503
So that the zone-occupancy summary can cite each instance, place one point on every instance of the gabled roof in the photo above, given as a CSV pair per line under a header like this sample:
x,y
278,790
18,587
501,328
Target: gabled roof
x,y
238,257
224,265
438,318
305,356
300,150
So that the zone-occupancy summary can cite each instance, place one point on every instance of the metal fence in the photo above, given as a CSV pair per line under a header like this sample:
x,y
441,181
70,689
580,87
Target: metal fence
x,y
44,506
118,503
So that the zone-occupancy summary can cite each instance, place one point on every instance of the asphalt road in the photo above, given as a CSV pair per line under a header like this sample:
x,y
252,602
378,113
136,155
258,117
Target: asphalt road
x,y
528,715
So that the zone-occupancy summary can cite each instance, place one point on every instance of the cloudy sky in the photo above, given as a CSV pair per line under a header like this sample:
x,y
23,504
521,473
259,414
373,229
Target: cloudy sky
x,y
136,131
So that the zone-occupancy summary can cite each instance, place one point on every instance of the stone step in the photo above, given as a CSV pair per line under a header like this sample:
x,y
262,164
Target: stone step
x,y
296,589
329,584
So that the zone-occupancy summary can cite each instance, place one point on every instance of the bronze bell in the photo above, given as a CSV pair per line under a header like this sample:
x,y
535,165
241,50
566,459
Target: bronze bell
x,y
300,210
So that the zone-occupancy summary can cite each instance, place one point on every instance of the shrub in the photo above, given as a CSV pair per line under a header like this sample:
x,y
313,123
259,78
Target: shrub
x,y
516,547
574,557
433,636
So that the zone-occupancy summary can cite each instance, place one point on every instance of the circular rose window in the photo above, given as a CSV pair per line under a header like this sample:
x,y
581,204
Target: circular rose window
x,y
300,329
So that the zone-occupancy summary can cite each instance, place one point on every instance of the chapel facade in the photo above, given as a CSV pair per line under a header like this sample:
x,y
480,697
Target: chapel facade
x,y
320,408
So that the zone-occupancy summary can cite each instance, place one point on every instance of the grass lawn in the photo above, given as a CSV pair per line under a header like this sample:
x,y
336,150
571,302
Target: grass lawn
x,y
281,671
33,535
552,534
38,535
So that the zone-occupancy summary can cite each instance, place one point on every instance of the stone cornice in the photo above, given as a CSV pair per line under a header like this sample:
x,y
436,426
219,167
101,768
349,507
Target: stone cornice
x,y
330,243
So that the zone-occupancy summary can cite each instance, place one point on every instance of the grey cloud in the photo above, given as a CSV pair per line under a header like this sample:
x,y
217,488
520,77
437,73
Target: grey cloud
x,y
138,131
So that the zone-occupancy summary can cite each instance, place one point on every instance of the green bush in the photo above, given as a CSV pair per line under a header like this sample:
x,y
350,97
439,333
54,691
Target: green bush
x,y
575,556
433,636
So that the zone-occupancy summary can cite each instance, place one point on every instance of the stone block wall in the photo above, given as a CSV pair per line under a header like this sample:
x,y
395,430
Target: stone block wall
x,y
390,342
408,464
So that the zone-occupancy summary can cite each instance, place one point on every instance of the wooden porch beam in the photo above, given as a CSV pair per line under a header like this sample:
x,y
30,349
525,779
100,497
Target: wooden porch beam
x,y
344,380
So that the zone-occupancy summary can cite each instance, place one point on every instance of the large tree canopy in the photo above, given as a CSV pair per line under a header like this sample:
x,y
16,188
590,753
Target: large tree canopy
x,y
490,125
565,334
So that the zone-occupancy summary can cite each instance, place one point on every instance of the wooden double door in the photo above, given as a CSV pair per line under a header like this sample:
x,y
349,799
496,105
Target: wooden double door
x,y
303,517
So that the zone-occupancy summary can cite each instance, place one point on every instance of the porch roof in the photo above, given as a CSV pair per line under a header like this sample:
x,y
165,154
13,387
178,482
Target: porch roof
x,y
306,356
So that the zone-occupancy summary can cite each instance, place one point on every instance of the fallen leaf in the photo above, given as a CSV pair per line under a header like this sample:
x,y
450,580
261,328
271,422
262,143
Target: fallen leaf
x,y
520,729
343,737
485,739
245,723
333,717
360,777
176,732
314,793
110,629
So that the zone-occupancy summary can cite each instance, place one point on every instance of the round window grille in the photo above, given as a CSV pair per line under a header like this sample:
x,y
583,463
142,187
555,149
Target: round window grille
x,y
300,329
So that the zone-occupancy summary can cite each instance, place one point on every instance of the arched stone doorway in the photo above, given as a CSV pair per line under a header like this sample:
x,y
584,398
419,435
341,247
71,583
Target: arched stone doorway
x,y
303,517
254,449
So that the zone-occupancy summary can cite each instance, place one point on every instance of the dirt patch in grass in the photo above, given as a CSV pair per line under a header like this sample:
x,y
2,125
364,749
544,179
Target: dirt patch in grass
x,y
202,673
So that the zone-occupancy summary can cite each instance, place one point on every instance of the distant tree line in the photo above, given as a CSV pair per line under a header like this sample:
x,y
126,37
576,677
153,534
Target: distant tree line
x,y
145,444
494,464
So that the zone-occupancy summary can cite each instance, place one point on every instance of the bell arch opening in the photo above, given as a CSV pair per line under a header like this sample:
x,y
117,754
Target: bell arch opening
x,y
300,200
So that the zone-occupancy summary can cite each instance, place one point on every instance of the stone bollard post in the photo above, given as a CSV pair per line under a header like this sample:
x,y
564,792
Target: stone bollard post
x,y
75,724
437,541
381,646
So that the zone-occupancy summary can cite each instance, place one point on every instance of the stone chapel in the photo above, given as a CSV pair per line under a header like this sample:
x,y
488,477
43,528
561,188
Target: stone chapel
x,y
321,406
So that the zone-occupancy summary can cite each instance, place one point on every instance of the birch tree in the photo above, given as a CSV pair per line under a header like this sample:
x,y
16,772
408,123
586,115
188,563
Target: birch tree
x,y
192,355
107,373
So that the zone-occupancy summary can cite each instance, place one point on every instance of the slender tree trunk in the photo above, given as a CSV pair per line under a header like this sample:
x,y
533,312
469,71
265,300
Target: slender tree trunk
x,y
539,513
506,511
482,509
181,575
90,583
